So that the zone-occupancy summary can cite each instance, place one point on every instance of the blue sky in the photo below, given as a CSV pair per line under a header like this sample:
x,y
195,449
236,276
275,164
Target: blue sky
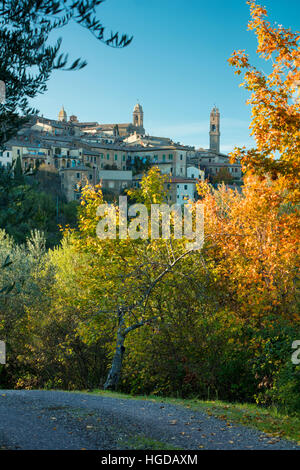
x,y
176,67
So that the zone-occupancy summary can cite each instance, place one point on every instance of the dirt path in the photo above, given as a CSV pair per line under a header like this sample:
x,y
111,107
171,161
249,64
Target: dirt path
x,y
60,420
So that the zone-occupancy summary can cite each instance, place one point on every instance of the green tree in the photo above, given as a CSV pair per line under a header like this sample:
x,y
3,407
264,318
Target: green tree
x,y
26,203
23,274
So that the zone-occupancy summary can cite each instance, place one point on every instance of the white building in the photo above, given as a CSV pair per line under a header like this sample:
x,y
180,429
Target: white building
x,y
185,190
6,158
194,173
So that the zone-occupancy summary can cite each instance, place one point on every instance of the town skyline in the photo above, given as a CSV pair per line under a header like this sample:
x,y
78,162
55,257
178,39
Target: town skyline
x,y
177,72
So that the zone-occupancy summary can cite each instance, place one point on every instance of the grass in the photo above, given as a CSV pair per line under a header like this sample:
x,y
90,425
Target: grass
x,y
268,420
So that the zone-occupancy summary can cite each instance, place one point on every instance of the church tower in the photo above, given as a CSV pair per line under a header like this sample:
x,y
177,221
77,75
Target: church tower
x,y
214,132
62,115
138,116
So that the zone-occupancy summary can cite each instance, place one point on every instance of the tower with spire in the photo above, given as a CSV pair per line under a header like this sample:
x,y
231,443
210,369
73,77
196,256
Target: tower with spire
x,y
214,131
62,115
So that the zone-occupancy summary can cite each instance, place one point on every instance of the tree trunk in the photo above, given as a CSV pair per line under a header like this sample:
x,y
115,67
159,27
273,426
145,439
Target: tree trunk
x,y
116,367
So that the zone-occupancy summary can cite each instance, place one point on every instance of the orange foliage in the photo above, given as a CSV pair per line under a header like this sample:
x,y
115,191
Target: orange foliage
x,y
253,249
275,114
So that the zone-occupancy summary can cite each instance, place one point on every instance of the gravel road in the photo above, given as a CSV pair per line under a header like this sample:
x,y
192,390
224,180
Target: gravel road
x,y
49,420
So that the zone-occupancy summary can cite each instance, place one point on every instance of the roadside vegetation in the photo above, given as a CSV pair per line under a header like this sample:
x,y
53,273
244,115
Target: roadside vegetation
x,y
276,424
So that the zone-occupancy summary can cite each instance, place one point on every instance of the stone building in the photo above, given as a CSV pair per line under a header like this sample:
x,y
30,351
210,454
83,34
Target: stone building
x,y
115,129
115,181
170,159
75,178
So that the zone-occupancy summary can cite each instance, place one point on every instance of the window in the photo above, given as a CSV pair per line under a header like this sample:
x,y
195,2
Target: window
x,y
116,157
164,158
170,156
91,177
18,152
180,157
124,158
185,187
101,156
77,175
107,156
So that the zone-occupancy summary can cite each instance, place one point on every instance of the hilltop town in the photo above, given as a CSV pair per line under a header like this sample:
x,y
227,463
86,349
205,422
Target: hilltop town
x,y
116,155
167,323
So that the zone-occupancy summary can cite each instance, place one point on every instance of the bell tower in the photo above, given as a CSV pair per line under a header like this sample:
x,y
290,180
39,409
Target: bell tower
x,y
214,131
138,116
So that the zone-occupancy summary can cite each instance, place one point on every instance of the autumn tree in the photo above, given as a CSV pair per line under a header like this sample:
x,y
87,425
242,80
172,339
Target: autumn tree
x,y
252,249
223,176
252,253
275,123
127,275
